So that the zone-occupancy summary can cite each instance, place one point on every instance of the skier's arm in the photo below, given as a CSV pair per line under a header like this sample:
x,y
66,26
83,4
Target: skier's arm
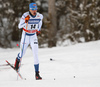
x,y
39,26
40,23
22,22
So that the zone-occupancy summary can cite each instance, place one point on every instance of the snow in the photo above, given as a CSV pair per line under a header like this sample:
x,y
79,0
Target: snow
x,y
81,7
72,66
89,5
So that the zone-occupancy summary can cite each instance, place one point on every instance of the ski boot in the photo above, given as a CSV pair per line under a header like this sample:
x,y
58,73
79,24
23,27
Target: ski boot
x,y
17,64
37,76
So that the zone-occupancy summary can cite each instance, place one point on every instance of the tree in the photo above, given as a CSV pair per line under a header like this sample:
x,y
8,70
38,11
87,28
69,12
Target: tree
x,y
52,28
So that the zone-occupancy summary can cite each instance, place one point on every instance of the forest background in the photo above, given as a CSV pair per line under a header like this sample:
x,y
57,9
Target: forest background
x,y
65,21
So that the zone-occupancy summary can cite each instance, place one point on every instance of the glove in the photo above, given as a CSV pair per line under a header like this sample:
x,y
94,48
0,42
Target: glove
x,y
38,32
27,18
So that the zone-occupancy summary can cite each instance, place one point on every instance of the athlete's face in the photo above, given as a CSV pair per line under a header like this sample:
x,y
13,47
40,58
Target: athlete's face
x,y
33,12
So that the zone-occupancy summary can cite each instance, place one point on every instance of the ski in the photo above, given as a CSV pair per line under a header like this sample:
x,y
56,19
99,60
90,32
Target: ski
x,y
15,70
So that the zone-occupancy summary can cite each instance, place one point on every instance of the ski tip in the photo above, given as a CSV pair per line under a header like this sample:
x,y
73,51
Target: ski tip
x,y
6,60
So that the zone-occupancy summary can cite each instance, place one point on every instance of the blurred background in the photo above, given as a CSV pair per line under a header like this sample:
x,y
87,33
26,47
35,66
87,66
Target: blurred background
x,y
66,22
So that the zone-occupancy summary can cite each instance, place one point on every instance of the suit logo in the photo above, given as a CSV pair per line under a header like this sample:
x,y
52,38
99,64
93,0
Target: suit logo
x,y
35,42
34,4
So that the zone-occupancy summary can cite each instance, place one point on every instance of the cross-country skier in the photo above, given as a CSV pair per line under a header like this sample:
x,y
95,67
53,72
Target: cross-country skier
x,y
31,23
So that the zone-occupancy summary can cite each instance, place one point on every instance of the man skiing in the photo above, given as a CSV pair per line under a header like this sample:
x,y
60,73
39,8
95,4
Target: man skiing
x,y
31,23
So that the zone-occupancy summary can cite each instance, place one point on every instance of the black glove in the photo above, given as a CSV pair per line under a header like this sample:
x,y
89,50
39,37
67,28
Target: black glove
x,y
38,32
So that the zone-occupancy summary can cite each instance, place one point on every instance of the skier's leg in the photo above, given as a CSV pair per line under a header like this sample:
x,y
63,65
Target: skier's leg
x,y
34,46
23,46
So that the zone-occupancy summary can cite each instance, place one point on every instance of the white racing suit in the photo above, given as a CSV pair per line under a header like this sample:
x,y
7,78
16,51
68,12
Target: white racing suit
x,y
29,35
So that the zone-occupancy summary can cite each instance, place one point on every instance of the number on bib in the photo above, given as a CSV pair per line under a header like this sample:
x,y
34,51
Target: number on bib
x,y
33,26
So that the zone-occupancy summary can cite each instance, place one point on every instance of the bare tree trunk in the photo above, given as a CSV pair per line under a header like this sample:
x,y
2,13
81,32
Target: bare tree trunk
x,y
53,24
85,22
